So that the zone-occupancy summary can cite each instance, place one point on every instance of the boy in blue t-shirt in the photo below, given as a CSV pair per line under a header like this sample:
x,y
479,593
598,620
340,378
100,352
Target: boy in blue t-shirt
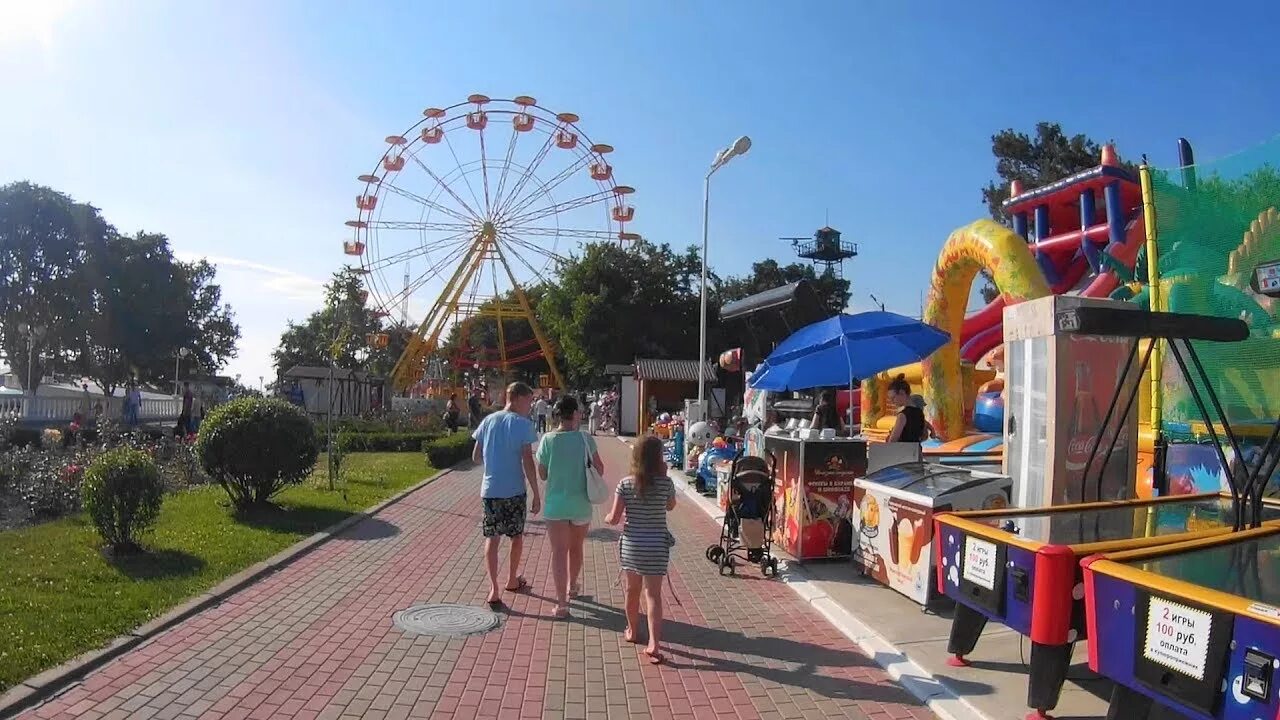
x,y
504,444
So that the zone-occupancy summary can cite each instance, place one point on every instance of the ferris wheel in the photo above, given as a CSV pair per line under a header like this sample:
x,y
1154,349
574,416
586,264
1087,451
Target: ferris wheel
x,y
467,208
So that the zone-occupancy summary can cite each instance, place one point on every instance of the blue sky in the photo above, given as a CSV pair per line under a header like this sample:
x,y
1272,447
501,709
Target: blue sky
x,y
238,128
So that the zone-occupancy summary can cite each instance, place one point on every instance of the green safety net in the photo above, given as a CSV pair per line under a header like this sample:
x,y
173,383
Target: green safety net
x,y
1212,231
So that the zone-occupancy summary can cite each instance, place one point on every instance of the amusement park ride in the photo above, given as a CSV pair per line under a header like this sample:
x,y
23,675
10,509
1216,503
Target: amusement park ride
x,y
483,215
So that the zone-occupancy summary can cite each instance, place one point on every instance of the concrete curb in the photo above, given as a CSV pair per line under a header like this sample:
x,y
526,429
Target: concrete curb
x,y
939,698
56,680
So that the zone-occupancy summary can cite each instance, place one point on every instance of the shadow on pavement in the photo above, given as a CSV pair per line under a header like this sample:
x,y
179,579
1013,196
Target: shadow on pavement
x,y
371,529
156,565
758,656
603,534
309,519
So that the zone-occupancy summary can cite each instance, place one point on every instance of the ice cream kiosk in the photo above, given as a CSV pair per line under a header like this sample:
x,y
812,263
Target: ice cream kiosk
x,y
814,493
892,514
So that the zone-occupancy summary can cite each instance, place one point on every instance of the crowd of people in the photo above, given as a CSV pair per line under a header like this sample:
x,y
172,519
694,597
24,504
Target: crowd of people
x,y
531,466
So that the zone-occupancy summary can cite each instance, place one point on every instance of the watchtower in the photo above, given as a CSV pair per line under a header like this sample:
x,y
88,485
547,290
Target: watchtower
x,y
826,249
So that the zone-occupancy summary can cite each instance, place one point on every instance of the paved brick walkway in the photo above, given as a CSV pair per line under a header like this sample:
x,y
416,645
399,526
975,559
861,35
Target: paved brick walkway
x,y
315,640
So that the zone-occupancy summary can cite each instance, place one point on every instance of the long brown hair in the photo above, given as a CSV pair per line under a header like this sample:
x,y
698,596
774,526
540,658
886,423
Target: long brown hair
x,y
647,463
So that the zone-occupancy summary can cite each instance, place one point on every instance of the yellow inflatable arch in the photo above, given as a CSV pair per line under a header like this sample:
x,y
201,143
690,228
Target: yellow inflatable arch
x,y
984,244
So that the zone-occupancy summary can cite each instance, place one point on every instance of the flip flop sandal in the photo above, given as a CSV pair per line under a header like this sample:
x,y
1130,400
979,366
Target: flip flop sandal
x,y
521,585
560,613
654,658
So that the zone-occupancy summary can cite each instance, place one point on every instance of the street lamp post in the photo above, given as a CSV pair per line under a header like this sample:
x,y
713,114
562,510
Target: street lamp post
x,y
177,365
739,147
876,300
32,334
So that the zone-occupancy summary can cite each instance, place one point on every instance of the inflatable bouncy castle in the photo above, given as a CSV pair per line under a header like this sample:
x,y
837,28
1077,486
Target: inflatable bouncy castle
x,y
1164,239
1080,235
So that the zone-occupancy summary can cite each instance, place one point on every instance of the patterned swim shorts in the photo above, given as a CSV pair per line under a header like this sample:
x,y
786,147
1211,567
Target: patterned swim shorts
x,y
503,516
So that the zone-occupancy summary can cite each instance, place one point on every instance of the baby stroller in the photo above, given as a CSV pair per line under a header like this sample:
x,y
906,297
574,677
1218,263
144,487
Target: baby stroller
x,y
747,533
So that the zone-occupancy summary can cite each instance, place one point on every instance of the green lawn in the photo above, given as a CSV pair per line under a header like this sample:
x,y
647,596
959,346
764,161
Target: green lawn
x,y
60,596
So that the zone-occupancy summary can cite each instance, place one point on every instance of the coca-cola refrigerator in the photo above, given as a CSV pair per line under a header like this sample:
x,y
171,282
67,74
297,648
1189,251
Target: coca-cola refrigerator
x,y
1057,391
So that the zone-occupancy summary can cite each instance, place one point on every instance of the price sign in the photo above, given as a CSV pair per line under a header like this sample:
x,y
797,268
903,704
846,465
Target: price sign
x,y
1177,637
980,562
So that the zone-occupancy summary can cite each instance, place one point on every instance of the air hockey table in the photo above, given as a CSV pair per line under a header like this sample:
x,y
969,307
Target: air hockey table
x,y
1193,626
1021,568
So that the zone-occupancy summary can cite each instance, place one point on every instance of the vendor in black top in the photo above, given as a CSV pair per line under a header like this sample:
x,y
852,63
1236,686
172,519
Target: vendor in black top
x,y
910,425
826,415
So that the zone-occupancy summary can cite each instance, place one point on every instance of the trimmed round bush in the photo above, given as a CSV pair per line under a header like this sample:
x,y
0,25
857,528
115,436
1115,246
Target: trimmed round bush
x,y
448,451
256,447
122,492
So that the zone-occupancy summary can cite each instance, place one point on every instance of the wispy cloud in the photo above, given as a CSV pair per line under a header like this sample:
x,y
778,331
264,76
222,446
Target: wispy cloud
x,y
281,282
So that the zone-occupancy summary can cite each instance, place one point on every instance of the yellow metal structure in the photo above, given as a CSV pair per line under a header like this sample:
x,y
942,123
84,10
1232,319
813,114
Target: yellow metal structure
x,y
484,247
1153,285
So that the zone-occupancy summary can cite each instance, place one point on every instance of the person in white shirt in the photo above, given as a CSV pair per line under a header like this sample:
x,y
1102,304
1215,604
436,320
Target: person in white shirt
x,y
540,414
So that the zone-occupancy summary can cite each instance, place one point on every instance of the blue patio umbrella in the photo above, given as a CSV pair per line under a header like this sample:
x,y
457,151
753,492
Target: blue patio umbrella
x,y
844,348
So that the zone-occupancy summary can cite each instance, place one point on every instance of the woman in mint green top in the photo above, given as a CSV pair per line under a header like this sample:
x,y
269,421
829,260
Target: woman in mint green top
x,y
562,465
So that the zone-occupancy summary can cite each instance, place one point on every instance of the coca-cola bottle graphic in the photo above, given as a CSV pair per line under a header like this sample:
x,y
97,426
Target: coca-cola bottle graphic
x,y
1086,421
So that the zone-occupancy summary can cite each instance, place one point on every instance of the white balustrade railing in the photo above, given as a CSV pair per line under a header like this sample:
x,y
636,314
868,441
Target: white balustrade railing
x,y
63,409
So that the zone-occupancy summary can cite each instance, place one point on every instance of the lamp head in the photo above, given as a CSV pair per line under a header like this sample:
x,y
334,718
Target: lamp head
x,y
184,352
739,147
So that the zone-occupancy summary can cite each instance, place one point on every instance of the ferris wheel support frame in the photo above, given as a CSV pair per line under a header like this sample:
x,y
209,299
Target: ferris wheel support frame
x,y
409,368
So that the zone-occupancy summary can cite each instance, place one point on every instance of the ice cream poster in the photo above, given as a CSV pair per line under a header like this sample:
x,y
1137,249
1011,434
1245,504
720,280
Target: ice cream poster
x,y
893,541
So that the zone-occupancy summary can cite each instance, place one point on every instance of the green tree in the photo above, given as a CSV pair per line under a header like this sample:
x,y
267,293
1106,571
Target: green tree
x,y
42,253
1035,161
113,306
337,332
612,305
145,306
832,291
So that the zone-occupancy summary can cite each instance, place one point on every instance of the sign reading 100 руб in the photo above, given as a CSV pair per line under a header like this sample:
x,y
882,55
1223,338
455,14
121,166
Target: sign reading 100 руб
x,y
1177,637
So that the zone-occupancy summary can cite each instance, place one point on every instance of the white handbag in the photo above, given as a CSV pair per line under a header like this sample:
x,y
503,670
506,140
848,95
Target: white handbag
x,y
597,490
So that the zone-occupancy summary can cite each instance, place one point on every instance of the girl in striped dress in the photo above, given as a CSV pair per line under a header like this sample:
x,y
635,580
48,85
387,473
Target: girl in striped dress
x,y
644,498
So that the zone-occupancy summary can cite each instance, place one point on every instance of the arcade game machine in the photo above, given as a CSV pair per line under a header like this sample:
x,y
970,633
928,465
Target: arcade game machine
x,y
1021,567
1195,626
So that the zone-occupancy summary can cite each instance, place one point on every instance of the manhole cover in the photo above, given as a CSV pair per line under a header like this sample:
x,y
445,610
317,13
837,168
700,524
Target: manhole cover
x,y
446,619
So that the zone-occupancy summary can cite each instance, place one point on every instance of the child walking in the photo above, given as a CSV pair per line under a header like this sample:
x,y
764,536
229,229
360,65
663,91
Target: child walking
x,y
644,498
